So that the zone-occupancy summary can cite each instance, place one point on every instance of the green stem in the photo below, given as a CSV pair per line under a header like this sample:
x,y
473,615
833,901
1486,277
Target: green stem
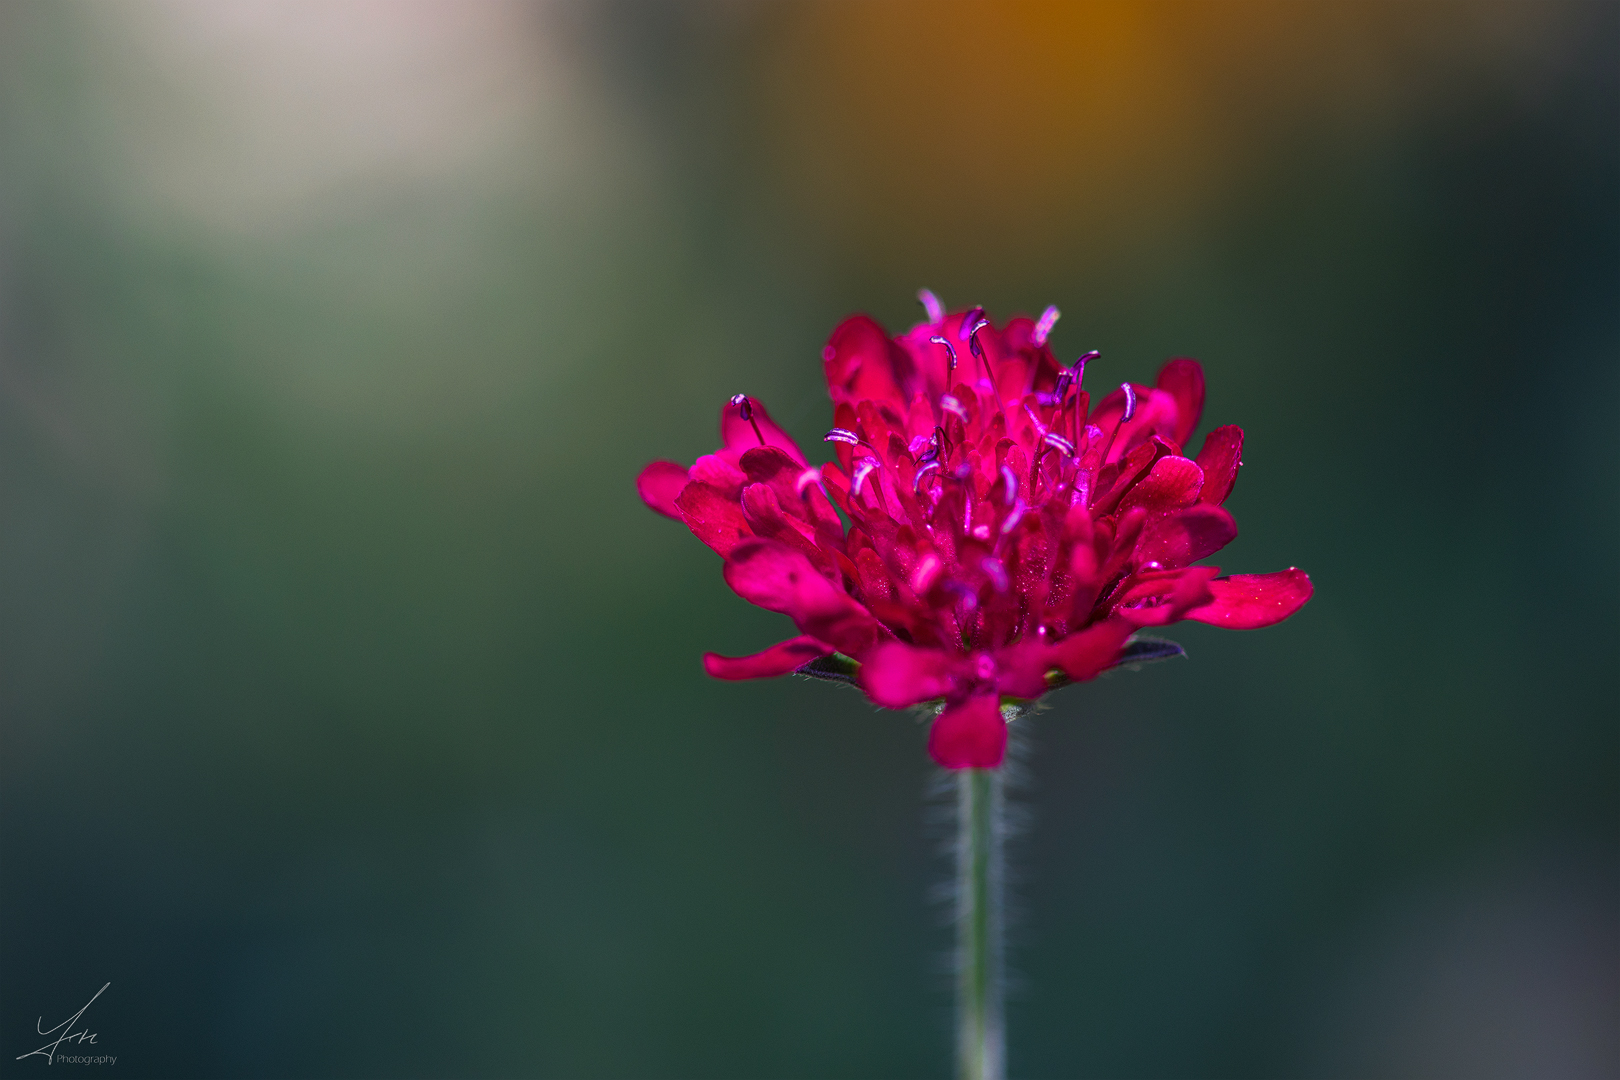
x,y
979,1035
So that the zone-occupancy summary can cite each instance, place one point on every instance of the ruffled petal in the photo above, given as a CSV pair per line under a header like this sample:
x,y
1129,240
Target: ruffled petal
x,y
1157,599
1185,536
970,734
737,435
1021,669
896,675
1220,458
1173,482
778,578
863,364
660,484
780,659
713,518
1183,379
1086,654
1250,601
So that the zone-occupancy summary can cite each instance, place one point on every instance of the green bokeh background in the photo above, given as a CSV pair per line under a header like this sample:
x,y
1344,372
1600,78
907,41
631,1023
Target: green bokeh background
x,y
352,716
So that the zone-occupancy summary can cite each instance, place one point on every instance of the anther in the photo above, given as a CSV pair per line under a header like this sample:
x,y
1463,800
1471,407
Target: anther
x,y
862,471
953,406
1013,519
950,353
923,470
965,331
1130,400
1043,328
931,305
808,478
996,572
745,409
973,338
1010,479
842,435
1058,443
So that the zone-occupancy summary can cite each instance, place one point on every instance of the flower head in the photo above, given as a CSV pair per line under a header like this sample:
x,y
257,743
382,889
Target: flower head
x,y
1004,536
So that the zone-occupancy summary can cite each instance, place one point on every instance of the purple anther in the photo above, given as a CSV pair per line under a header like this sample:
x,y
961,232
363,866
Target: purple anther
x,y
965,331
1043,328
1079,368
950,353
1013,519
931,305
954,407
808,478
862,471
963,472
1130,400
923,470
996,572
973,338
745,409
1058,443
1065,377
1010,479
842,435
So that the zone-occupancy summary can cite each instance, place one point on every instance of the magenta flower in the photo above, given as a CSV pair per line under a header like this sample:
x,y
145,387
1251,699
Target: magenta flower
x,y
1004,537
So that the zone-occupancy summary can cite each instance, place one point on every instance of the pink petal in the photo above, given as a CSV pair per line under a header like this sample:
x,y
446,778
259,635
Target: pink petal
x,y
896,675
720,474
1173,482
1183,378
862,363
1084,655
1161,598
1185,536
738,436
970,735
1250,601
1021,669
778,578
713,518
659,484
779,659
1220,458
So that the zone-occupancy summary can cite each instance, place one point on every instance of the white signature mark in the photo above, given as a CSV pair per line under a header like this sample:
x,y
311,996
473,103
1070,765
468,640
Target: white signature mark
x,y
48,1051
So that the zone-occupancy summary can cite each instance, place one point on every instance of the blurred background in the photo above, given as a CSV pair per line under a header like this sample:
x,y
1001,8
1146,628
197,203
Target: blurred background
x,y
352,716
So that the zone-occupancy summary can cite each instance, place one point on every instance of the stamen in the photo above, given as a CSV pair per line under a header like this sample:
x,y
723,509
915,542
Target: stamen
x,y
931,305
923,470
1043,328
745,409
1130,400
953,406
996,572
968,320
1013,519
1058,443
1010,479
862,471
950,355
842,435
808,478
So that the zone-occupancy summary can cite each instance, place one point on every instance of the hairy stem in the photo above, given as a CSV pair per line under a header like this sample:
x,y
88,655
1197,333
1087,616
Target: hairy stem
x,y
979,1035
